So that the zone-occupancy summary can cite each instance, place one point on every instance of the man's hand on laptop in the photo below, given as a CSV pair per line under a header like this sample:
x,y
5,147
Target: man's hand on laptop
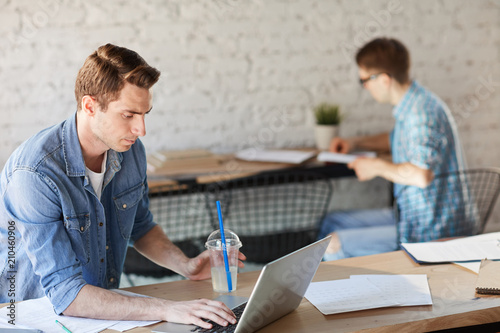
x,y
194,312
198,268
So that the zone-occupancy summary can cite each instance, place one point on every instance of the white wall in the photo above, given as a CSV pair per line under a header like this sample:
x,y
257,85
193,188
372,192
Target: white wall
x,y
246,73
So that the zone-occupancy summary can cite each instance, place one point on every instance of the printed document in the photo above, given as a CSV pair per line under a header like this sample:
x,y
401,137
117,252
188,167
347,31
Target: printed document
x,y
474,265
280,156
39,313
362,292
441,252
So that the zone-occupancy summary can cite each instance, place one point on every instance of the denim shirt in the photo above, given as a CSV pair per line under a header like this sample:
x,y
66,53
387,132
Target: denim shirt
x,y
61,236
424,134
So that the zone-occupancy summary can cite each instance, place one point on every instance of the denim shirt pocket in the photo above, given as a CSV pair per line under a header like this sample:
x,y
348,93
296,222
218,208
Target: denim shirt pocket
x,y
78,228
126,208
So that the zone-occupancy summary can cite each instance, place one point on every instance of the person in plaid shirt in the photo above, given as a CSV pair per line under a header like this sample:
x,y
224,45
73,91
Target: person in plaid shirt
x,y
423,143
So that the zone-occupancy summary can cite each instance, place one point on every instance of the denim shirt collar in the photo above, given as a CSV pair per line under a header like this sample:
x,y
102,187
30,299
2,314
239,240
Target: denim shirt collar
x,y
401,108
73,156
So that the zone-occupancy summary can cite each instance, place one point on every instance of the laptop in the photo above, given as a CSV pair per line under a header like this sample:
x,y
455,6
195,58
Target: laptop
x,y
279,290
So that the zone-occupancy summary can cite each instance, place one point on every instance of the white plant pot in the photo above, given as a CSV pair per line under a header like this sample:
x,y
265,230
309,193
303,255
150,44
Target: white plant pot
x,y
324,135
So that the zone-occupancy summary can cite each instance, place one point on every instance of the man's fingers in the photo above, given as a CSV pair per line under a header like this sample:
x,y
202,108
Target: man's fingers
x,y
217,312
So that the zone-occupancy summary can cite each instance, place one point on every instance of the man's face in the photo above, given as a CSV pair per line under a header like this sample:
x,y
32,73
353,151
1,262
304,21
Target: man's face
x,y
123,122
377,83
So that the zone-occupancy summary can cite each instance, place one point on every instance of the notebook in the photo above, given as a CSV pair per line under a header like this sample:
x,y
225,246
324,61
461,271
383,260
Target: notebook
x,y
279,290
488,280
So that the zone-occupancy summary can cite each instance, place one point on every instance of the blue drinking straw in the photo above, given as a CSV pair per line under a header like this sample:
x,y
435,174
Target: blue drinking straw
x,y
224,249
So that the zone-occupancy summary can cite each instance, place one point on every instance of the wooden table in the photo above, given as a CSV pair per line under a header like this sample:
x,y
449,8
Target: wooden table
x,y
218,168
455,303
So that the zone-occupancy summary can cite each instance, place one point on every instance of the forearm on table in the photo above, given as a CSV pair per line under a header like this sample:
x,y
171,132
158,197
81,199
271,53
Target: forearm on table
x,y
405,173
378,142
157,247
99,303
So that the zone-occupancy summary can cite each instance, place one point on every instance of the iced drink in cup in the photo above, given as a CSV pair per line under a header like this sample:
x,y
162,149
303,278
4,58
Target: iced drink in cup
x,y
214,246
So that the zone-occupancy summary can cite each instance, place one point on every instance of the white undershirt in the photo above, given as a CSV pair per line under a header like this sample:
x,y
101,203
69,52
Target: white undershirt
x,y
97,179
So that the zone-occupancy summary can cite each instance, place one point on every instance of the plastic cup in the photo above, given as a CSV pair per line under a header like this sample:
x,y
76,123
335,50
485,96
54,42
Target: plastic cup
x,y
214,246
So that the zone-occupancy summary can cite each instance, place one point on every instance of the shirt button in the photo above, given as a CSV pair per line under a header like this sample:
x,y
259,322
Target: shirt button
x,y
107,247
124,206
112,280
101,224
102,259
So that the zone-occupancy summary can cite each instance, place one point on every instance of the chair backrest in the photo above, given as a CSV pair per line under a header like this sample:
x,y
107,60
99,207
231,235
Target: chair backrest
x,y
182,213
457,203
272,213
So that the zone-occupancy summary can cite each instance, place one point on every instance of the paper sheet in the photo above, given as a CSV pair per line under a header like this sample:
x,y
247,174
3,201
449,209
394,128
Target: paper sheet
x,y
362,292
343,158
281,156
474,265
407,290
436,252
347,295
39,313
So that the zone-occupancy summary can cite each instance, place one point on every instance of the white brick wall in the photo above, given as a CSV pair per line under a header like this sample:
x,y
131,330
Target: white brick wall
x,y
233,70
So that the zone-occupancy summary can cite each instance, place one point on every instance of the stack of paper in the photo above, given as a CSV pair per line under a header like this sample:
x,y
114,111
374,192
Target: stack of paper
x,y
480,245
442,252
362,292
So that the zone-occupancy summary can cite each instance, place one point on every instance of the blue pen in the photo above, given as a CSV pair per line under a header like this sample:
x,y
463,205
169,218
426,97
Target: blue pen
x,y
62,326
224,249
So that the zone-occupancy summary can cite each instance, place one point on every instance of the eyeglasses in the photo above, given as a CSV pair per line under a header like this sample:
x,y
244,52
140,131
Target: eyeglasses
x,y
371,77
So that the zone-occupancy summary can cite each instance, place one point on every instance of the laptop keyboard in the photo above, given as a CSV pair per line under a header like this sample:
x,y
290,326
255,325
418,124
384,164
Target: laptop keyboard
x,y
216,328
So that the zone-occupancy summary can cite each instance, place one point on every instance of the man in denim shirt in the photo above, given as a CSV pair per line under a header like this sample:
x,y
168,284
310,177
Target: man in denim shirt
x,y
423,144
75,195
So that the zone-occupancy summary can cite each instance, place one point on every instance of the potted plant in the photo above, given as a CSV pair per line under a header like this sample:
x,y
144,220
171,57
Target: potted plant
x,y
328,118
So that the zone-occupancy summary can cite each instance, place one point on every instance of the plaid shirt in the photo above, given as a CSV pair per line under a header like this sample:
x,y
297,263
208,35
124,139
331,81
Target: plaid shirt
x,y
424,135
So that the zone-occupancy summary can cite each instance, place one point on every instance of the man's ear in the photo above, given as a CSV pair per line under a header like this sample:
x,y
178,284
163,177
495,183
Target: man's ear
x,y
386,79
89,105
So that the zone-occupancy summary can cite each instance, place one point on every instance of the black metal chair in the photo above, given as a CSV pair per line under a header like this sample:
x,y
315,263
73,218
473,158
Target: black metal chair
x,y
273,213
182,213
460,202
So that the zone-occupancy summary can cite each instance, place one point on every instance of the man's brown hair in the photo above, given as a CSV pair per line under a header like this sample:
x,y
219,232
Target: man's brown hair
x,y
105,72
386,55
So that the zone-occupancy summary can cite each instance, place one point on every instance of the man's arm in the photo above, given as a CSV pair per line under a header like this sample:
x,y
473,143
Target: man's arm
x,y
379,143
94,302
157,247
403,173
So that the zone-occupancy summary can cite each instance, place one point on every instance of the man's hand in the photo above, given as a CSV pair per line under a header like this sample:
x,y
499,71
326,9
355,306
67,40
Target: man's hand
x,y
340,145
366,168
198,268
378,142
193,312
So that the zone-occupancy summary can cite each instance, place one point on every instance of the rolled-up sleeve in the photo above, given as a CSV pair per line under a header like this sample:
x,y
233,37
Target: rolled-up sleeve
x,y
426,140
32,200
